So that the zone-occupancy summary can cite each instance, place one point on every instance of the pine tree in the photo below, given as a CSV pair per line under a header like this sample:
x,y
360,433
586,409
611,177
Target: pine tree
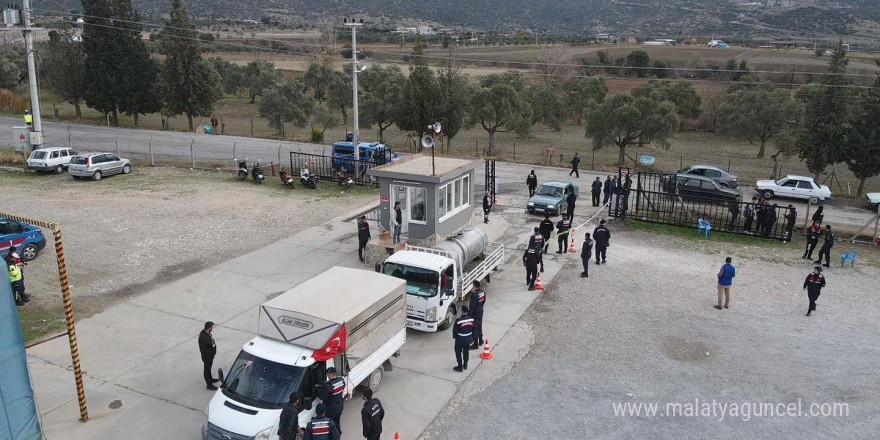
x,y
189,84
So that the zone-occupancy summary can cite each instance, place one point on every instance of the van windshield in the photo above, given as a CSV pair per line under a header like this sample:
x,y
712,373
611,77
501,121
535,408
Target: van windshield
x,y
420,282
262,383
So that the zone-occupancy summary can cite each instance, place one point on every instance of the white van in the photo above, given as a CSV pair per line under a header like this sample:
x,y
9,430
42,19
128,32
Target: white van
x,y
50,159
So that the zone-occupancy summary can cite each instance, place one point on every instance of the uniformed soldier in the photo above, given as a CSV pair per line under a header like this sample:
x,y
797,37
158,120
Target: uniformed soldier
x,y
478,299
546,229
563,228
532,183
813,285
531,259
463,334
372,415
332,394
537,240
321,427
288,422
586,253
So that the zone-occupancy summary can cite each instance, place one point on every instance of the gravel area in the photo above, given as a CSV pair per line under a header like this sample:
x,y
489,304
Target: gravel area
x,y
127,234
642,329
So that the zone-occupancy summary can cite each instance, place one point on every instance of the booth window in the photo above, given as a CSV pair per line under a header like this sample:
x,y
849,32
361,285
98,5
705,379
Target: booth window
x,y
454,197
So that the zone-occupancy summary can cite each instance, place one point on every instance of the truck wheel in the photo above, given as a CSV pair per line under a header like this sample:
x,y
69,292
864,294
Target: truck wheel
x,y
374,380
449,320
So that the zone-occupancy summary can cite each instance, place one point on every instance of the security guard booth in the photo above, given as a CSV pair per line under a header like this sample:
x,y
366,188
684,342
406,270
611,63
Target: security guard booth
x,y
436,197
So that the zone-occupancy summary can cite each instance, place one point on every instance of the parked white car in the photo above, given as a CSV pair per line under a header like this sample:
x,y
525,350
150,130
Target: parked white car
x,y
53,159
798,187
873,199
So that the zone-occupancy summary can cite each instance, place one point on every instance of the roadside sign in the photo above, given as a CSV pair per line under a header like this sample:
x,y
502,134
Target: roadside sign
x,y
384,199
551,150
645,159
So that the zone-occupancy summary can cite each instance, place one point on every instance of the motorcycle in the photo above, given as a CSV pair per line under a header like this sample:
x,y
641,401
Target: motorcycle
x,y
286,178
257,173
242,169
307,179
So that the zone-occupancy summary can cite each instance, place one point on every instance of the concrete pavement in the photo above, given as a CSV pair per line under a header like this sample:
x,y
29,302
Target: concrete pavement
x,y
141,361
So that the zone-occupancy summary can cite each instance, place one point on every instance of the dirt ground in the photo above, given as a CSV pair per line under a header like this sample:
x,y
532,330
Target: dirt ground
x,y
128,234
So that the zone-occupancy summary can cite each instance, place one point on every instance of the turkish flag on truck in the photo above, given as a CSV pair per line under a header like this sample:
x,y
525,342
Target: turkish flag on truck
x,y
334,347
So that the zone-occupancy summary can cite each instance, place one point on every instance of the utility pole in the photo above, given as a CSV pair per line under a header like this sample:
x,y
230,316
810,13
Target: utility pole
x,y
36,137
354,88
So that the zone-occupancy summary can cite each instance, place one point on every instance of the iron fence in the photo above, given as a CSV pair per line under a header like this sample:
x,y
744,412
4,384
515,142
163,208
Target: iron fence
x,y
655,198
333,169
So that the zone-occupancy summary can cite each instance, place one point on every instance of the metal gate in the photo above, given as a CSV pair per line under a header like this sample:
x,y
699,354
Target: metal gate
x,y
333,169
657,198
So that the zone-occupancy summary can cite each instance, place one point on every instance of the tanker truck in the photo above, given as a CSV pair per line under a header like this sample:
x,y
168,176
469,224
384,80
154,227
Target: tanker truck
x,y
439,279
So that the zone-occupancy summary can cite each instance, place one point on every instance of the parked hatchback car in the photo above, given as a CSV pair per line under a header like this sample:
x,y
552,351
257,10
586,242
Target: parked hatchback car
x,y
550,197
50,159
798,187
97,165
27,239
712,172
703,187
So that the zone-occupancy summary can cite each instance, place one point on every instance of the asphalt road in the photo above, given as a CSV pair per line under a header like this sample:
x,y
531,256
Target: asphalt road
x,y
137,142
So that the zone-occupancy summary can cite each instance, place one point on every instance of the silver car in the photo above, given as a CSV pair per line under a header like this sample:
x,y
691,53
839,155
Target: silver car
x,y
97,165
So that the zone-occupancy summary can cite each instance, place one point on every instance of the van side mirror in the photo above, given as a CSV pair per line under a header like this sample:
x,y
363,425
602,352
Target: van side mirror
x,y
220,375
378,267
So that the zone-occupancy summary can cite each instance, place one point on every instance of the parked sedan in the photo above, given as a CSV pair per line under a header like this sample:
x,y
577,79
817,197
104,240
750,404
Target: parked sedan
x,y
550,197
97,165
702,187
712,172
798,187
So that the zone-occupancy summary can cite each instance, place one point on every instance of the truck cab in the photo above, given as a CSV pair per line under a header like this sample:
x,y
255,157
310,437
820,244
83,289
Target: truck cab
x,y
432,287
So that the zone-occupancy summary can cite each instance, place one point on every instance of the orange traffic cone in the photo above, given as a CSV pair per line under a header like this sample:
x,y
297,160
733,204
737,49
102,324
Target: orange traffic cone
x,y
538,284
487,352
571,239
495,201
396,436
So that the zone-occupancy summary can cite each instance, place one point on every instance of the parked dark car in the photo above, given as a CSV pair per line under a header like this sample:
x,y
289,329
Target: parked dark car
x,y
714,173
696,186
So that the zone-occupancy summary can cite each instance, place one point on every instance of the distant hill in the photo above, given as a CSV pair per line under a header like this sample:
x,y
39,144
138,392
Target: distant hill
x,y
727,18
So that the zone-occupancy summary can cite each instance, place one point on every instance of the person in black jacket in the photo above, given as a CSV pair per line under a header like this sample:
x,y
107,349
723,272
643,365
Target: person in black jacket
x,y
363,236
208,350
602,236
596,190
531,259
372,415
478,300
463,334
532,183
818,216
790,219
397,224
826,247
321,427
487,206
749,214
606,189
586,253
288,422
570,201
813,235
563,228
546,229
575,161
770,216
536,241
813,285
332,394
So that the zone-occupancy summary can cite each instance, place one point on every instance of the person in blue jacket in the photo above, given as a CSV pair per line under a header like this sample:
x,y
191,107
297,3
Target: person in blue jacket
x,y
725,280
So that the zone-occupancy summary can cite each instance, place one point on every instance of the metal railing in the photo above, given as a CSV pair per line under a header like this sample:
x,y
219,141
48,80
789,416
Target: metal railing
x,y
333,169
648,198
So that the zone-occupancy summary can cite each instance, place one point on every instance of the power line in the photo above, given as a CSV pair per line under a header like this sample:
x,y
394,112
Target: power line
x,y
479,60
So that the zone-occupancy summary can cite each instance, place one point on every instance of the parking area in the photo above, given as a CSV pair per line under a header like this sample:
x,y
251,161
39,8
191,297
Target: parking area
x,y
127,234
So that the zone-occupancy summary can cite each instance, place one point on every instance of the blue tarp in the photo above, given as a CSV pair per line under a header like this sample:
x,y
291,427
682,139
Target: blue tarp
x,y
18,419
